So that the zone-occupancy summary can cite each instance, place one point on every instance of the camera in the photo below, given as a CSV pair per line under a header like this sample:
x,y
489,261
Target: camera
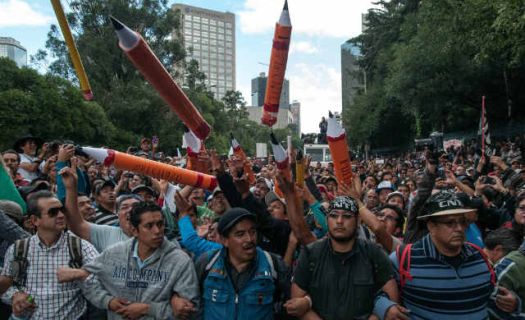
x,y
488,180
80,152
434,143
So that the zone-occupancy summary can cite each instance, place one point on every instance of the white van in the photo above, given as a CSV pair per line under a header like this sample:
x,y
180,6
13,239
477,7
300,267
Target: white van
x,y
319,153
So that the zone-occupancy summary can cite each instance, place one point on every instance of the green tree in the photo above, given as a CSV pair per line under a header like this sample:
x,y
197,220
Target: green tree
x,y
429,62
48,107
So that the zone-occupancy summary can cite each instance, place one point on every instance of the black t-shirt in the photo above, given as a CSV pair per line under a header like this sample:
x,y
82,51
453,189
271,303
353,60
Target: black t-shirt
x,y
342,285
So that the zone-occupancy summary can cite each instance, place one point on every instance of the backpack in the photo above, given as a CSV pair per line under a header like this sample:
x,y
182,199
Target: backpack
x,y
20,262
404,258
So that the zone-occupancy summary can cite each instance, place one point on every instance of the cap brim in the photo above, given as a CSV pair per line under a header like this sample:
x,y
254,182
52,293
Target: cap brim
x,y
233,222
446,213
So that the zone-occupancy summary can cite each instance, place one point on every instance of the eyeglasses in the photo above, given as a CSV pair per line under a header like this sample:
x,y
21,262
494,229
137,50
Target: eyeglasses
x,y
53,212
521,208
345,216
453,223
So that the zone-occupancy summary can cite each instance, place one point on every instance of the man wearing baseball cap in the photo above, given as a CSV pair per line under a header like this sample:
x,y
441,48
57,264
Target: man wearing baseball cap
x,y
441,276
338,277
240,281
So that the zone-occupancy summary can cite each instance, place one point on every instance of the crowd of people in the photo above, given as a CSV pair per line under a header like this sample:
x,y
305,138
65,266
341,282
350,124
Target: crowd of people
x,y
423,235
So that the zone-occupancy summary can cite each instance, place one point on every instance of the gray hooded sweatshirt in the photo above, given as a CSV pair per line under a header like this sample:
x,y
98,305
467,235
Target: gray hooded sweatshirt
x,y
115,273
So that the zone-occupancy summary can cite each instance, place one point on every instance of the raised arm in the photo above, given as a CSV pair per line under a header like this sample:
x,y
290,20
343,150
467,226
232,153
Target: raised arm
x,y
75,221
294,209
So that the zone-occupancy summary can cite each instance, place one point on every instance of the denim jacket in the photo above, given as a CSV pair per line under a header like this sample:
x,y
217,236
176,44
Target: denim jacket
x,y
255,299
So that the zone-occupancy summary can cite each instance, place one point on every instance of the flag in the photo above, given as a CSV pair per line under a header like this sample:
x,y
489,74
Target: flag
x,y
486,143
8,189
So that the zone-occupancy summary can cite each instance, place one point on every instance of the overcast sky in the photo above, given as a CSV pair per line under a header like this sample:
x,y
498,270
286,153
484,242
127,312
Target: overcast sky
x,y
314,62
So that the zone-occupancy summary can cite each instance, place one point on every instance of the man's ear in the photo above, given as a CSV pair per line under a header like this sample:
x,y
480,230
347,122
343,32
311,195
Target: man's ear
x,y
134,230
34,220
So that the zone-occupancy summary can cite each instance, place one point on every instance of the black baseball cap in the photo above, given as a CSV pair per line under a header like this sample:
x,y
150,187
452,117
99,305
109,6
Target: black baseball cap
x,y
103,184
231,218
142,187
443,203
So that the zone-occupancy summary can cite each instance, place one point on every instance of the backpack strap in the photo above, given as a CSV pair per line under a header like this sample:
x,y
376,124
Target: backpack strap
x,y
74,245
271,263
212,259
487,262
20,262
403,256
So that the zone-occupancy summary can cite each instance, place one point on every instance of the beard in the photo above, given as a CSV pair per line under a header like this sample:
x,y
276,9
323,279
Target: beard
x,y
343,239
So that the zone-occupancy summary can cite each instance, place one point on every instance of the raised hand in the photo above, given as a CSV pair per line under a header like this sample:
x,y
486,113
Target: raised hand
x,y
216,165
183,205
69,176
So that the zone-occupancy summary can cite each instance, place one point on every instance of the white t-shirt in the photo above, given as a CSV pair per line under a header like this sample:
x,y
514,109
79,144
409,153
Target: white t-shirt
x,y
30,176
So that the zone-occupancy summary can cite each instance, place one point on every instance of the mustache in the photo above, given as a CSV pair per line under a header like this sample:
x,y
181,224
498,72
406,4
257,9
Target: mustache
x,y
249,245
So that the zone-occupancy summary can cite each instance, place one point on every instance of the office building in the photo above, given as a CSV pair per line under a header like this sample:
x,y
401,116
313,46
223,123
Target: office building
x,y
209,38
353,78
13,50
295,109
284,116
259,91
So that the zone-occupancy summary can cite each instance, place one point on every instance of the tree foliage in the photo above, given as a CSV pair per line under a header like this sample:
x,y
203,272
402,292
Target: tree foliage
x,y
48,107
429,62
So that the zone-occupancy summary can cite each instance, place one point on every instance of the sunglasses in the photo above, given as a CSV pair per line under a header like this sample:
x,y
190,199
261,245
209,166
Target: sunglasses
x,y
53,212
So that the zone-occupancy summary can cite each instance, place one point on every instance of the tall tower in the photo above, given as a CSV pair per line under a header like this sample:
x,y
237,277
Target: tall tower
x,y
209,38
259,90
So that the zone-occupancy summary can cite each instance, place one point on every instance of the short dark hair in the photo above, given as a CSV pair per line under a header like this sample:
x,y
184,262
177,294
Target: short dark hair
x,y
139,209
32,202
125,197
12,151
400,221
520,198
507,238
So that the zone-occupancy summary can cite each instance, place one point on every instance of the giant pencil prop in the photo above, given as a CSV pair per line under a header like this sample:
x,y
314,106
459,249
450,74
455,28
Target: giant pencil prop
x,y
73,52
282,161
278,59
336,137
147,63
239,152
124,161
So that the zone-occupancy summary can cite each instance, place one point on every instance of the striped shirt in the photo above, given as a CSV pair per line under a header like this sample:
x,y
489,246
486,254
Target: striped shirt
x,y
54,300
437,290
105,217
511,275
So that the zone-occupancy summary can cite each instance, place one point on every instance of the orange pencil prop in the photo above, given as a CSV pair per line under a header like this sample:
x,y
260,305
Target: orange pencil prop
x,y
336,136
147,63
278,59
239,152
282,161
124,161
73,51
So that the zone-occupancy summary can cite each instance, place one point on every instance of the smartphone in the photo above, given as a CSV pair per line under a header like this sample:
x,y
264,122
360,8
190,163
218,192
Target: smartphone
x,y
155,140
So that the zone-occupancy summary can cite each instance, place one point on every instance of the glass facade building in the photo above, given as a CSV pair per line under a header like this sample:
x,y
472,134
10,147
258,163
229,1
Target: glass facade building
x,y
209,38
259,91
13,50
